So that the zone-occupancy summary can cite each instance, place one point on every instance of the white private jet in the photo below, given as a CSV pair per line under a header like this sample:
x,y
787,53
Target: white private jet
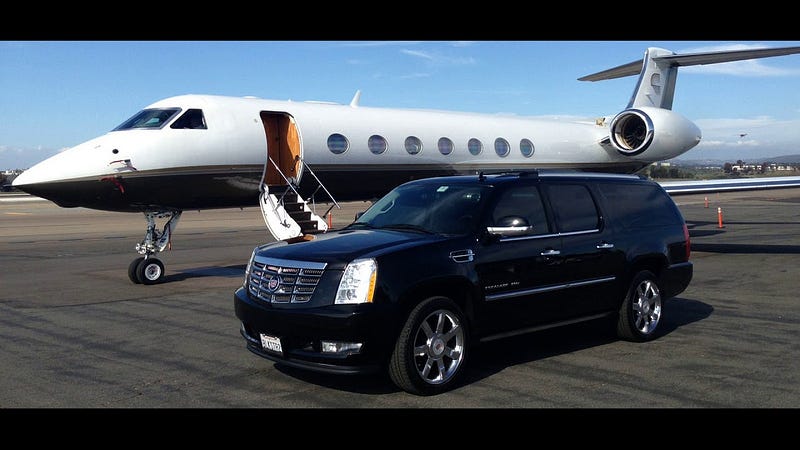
x,y
204,152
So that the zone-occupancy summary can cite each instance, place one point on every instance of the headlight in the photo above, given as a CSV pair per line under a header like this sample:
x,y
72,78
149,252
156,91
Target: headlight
x,y
358,282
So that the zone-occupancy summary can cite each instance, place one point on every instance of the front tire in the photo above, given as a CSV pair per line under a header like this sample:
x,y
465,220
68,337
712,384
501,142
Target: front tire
x,y
431,351
150,271
641,311
132,270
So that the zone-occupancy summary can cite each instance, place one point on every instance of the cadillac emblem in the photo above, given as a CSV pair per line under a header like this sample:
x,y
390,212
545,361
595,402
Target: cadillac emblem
x,y
273,283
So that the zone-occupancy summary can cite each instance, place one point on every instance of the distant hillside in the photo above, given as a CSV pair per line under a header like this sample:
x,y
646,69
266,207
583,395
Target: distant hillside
x,y
785,159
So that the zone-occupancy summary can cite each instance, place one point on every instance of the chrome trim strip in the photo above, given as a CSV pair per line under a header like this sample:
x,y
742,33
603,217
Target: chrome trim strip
x,y
290,263
551,235
556,287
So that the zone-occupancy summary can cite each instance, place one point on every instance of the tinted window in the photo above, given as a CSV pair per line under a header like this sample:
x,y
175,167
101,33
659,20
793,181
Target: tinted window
x,y
377,144
638,206
191,119
524,202
526,148
474,146
574,207
337,143
501,147
149,118
438,208
445,146
413,145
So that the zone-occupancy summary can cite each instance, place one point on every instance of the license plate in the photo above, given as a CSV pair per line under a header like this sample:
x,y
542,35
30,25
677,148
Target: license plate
x,y
271,343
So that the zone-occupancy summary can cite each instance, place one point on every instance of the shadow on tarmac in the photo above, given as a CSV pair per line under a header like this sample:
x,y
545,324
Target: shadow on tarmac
x,y
495,356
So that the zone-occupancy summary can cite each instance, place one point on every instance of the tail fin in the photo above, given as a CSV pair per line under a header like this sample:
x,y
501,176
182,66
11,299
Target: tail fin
x,y
659,70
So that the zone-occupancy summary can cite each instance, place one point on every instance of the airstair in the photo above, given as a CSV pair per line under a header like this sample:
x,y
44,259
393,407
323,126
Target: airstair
x,y
287,214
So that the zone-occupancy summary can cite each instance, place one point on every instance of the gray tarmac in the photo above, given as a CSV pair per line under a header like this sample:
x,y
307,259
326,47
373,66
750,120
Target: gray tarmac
x,y
76,333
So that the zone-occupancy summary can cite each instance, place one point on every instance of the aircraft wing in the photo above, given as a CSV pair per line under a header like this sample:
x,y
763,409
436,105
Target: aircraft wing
x,y
745,184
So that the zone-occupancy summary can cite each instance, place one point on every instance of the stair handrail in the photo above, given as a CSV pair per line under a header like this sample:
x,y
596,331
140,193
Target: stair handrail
x,y
319,183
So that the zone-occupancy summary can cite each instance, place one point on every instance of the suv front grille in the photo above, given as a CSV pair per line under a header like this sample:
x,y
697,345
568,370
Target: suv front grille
x,y
275,280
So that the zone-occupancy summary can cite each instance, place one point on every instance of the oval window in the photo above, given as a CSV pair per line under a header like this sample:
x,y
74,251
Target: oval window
x,y
526,148
501,147
474,146
337,143
445,146
413,145
377,144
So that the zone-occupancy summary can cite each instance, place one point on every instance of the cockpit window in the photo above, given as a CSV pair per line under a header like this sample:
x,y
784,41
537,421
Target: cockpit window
x,y
192,118
149,118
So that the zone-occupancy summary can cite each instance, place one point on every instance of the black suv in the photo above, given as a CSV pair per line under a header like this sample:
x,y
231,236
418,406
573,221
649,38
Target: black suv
x,y
441,264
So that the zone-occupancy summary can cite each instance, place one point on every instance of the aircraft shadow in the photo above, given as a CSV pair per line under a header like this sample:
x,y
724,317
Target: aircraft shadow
x,y
495,356
234,271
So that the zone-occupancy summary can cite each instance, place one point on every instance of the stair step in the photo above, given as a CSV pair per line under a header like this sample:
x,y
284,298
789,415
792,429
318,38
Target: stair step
x,y
307,225
300,216
293,206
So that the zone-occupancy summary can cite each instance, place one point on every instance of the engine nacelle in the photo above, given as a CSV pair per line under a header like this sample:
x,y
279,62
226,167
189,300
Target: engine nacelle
x,y
652,134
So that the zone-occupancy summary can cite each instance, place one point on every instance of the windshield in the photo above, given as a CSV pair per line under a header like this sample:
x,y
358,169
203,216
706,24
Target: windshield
x,y
437,208
149,118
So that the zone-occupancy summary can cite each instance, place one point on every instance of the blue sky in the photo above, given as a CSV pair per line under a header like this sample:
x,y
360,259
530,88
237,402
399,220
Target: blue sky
x,y
56,94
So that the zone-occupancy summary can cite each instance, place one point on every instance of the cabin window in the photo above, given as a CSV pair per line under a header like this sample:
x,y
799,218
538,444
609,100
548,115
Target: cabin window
x,y
153,119
413,145
337,143
377,144
445,146
191,119
526,148
475,146
501,147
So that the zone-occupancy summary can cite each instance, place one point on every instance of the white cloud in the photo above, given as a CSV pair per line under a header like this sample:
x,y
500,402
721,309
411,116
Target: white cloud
x,y
438,58
414,75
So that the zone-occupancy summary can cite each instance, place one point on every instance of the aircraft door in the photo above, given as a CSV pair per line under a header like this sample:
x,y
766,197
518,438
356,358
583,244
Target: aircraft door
x,y
283,148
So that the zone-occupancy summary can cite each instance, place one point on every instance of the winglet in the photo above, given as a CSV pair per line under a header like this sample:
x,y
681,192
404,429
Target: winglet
x,y
356,98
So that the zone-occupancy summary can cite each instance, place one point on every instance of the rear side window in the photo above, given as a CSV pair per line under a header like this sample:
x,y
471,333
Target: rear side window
x,y
574,208
638,206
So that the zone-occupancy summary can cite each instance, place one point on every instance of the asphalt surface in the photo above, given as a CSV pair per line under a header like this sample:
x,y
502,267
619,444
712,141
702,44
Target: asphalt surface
x,y
76,333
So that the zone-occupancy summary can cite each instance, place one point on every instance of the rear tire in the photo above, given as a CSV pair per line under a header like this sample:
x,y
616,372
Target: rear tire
x,y
641,311
431,351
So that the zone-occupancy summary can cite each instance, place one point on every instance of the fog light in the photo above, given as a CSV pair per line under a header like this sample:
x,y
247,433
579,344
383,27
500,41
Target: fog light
x,y
341,347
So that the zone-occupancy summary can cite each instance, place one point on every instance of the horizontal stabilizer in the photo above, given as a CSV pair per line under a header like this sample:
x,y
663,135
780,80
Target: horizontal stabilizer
x,y
690,59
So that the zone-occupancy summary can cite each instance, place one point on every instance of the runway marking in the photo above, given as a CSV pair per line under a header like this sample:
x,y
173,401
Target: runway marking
x,y
22,199
17,214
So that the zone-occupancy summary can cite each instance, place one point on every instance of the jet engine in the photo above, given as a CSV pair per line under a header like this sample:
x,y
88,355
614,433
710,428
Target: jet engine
x,y
652,134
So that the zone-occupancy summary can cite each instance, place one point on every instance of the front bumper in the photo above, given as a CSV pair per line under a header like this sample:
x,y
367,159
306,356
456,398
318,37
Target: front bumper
x,y
301,331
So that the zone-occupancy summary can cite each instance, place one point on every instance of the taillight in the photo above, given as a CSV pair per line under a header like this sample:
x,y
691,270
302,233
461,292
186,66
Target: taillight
x,y
688,241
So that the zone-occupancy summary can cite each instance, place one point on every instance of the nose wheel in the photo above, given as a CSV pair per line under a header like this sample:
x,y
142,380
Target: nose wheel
x,y
146,270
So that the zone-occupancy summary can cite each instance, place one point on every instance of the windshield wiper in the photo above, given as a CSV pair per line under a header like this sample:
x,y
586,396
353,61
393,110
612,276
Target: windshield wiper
x,y
406,226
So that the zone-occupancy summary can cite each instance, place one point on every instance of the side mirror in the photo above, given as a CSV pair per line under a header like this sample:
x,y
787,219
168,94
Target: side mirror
x,y
511,226
359,214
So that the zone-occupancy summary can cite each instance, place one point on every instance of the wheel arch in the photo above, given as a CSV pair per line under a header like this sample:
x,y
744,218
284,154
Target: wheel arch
x,y
457,289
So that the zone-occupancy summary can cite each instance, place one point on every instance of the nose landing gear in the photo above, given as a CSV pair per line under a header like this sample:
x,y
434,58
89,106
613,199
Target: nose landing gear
x,y
148,269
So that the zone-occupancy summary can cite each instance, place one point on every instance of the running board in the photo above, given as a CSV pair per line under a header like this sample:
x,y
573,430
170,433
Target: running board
x,y
289,216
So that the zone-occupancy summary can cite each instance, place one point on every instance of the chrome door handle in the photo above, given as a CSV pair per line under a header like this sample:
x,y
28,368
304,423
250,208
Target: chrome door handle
x,y
605,246
550,252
